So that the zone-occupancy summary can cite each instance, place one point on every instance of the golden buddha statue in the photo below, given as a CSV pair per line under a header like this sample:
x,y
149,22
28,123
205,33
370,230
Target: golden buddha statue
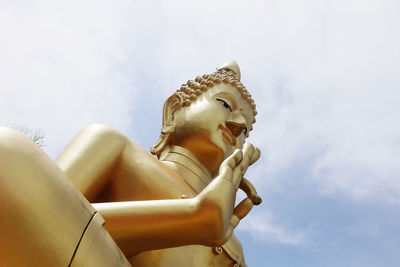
x,y
174,211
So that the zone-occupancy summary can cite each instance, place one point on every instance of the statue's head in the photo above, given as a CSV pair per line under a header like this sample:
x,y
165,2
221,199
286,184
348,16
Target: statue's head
x,y
211,116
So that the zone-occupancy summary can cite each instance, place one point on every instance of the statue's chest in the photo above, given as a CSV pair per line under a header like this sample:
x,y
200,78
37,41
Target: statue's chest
x,y
153,188
146,184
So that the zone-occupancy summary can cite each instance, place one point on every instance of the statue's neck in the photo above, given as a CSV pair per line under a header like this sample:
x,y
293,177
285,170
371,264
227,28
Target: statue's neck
x,y
195,174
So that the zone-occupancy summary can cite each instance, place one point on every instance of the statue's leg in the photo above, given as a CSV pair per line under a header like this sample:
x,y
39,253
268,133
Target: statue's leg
x,y
100,153
91,157
42,215
97,248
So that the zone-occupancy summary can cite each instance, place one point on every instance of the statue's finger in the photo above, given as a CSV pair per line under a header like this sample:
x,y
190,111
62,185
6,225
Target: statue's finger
x,y
240,211
256,155
234,221
250,191
243,208
248,151
237,177
233,160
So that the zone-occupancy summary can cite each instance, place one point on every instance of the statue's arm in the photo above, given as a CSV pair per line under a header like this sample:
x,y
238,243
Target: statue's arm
x,y
207,219
204,220
156,224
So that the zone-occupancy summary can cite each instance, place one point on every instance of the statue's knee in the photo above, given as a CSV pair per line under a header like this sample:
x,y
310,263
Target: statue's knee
x,y
14,144
101,129
19,155
103,133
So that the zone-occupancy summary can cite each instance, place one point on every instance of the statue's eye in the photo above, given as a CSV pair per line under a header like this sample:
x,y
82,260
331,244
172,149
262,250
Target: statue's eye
x,y
226,105
245,130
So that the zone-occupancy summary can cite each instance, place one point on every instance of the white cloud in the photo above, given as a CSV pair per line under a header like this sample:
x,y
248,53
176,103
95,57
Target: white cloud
x,y
264,228
333,103
61,69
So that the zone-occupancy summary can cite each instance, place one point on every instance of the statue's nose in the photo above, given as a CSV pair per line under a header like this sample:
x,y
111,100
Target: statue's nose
x,y
236,128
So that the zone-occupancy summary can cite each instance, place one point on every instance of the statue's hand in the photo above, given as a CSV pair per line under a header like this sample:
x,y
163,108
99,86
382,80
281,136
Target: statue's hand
x,y
218,198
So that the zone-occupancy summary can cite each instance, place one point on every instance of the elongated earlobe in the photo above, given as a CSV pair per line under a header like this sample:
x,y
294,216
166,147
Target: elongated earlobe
x,y
161,144
171,105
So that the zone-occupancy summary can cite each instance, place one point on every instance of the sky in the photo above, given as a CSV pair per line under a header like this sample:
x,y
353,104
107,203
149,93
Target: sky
x,y
324,76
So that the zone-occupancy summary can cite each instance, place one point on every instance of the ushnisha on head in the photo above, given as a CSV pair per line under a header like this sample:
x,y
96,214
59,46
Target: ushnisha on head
x,y
228,74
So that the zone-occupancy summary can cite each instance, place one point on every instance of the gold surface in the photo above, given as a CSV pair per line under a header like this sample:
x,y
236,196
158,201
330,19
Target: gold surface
x,y
177,210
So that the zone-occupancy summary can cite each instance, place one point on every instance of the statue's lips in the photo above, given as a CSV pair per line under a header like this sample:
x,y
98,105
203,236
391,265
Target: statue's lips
x,y
227,135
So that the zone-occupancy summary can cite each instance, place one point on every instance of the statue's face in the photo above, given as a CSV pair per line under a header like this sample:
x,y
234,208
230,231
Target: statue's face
x,y
214,125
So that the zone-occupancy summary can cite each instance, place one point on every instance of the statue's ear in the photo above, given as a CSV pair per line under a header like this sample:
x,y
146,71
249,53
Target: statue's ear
x,y
171,105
